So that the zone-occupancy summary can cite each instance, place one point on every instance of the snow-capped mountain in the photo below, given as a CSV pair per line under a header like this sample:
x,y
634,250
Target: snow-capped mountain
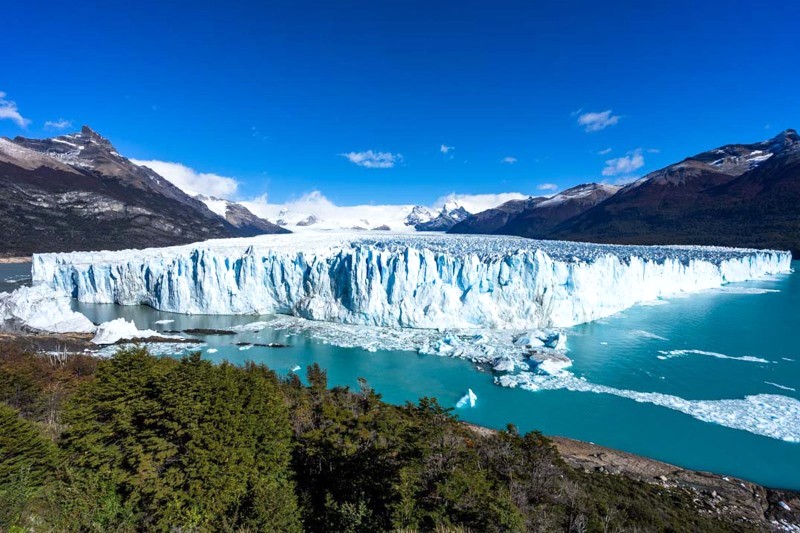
x,y
315,213
240,217
448,216
536,217
76,192
736,195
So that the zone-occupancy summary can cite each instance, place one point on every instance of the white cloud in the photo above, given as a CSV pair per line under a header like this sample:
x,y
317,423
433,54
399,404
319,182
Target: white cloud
x,y
547,187
475,203
653,151
604,152
598,120
371,159
624,165
509,160
59,124
445,149
191,181
367,216
8,110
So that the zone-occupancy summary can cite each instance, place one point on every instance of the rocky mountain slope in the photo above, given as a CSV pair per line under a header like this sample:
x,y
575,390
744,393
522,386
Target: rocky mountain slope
x,y
76,192
744,195
737,195
248,224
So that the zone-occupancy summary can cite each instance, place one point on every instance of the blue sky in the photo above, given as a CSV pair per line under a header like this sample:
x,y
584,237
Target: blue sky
x,y
272,94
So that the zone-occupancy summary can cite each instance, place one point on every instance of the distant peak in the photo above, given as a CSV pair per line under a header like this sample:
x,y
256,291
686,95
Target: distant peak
x,y
785,138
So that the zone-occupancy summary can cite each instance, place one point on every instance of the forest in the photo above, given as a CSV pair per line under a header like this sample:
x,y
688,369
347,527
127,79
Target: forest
x,y
144,443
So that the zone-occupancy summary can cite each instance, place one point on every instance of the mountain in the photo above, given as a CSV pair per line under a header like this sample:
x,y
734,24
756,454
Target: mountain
x,y
448,216
537,217
240,217
540,219
744,195
76,192
491,220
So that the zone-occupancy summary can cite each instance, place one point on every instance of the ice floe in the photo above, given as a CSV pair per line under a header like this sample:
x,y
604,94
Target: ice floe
x,y
769,415
669,354
783,387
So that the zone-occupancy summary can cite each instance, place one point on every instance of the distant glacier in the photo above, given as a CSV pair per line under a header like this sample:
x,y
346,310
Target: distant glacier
x,y
393,280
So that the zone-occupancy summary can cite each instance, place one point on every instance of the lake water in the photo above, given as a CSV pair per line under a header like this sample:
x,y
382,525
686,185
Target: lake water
x,y
677,348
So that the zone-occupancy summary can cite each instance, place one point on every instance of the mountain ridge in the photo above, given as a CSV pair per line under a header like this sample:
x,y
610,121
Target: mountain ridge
x,y
76,192
741,195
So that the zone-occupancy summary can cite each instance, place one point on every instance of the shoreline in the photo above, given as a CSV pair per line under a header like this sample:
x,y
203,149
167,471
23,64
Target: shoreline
x,y
14,260
714,494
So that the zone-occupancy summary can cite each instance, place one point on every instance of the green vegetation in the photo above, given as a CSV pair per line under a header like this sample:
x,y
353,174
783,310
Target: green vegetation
x,y
140,443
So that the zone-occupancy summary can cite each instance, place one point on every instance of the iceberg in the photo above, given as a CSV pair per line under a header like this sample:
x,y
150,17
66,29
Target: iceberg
x,y
407,281
40,308
119,329
468,399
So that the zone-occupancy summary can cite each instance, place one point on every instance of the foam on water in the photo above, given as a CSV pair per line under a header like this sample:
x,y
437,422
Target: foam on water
x,y
648,335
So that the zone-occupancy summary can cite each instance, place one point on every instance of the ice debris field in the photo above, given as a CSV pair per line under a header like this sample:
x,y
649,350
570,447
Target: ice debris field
x,y
414,281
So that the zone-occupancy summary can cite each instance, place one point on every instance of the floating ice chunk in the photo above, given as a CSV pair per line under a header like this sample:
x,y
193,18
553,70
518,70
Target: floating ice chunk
x,y
504,364
40,308
468,399
212,350
295,368
244,348
669,354
530,340
165,321
120,329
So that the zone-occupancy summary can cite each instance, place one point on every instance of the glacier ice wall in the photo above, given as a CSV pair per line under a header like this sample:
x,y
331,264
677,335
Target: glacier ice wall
x,y
420,281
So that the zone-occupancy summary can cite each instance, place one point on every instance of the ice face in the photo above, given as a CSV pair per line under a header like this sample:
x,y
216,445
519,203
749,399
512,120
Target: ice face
x,y
417,281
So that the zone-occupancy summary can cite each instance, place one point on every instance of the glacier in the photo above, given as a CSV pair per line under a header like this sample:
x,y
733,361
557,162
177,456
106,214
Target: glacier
x,y
409,281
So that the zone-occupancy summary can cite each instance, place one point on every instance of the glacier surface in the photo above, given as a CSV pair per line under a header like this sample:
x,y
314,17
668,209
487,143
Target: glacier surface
x,y
415,281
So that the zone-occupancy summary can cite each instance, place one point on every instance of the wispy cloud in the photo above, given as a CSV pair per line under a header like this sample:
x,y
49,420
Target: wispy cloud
x,y
372,159
597,121
605,151
191,181
60,124
8,110
509,160
547,187
624,165
475,203
653,151
446,149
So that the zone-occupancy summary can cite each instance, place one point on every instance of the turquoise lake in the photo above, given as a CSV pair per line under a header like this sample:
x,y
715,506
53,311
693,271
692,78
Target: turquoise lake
x,y
753,319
